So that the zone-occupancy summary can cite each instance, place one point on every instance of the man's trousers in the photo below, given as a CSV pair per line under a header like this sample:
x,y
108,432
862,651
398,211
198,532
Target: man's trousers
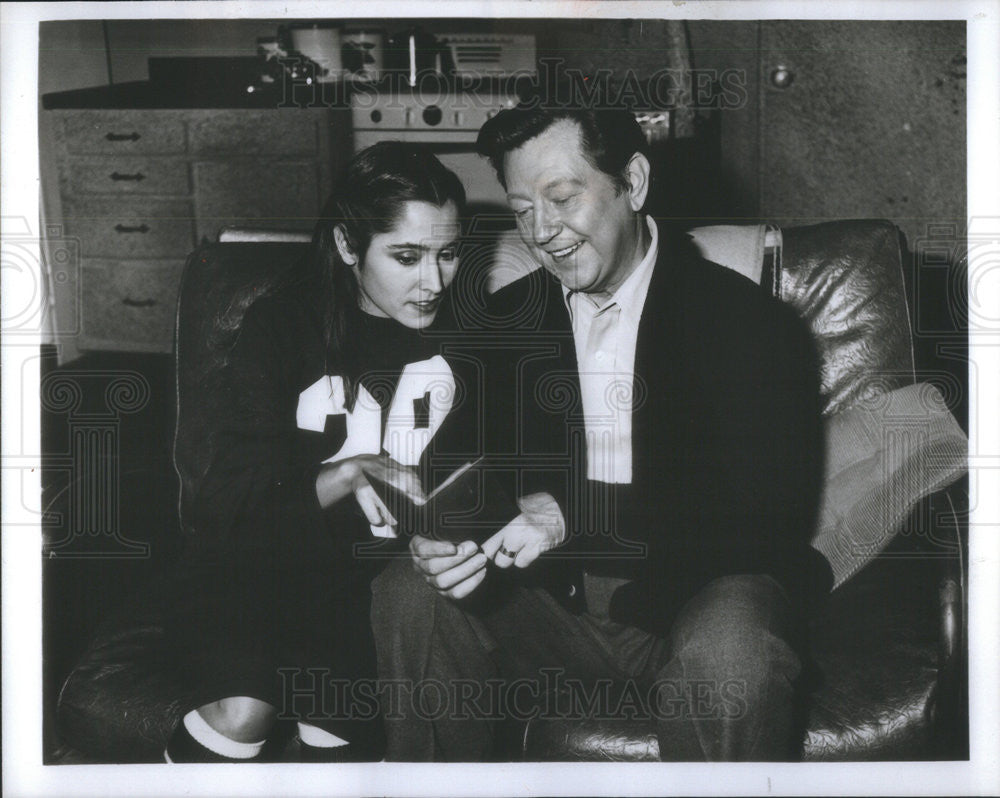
x,y
721,685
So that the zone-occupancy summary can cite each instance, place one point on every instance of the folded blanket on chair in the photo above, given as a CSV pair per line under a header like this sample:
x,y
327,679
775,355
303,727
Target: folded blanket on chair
x,y
882,457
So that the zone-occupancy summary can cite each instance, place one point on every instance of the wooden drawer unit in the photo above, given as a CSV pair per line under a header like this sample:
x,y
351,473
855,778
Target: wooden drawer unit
x,y
127,175
130,228
129,305
139,189
269,133
122,132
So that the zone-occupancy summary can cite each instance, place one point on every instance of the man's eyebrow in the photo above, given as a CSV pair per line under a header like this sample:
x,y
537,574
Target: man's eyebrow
x,y
559,181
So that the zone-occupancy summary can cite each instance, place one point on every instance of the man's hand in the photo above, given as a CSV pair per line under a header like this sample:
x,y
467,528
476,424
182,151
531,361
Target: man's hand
x,y
452,570
456,570
539,528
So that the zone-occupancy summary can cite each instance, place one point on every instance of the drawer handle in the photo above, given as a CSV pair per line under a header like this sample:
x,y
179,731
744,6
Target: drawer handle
x,y
139,303
119,176
122,228
123,137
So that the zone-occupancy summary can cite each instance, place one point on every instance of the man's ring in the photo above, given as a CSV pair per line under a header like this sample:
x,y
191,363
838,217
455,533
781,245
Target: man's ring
x,y
506,553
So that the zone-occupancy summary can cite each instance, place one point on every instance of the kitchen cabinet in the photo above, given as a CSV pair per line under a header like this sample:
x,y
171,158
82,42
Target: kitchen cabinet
x,y
129,193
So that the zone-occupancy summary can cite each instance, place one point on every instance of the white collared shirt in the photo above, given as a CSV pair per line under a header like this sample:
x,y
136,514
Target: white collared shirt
x,y
605,335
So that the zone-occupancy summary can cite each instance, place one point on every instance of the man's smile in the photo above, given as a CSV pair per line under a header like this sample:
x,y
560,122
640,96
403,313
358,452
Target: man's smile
x,y
565,252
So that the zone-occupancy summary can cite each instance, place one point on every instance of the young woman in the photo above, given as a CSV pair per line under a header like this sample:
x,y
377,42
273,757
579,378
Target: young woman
x,y
332,382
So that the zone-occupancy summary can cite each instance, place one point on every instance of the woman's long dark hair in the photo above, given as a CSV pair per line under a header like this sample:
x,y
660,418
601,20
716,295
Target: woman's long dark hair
x,y
368,200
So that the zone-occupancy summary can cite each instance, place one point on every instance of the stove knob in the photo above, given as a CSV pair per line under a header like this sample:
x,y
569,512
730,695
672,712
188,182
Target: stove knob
x,y
376,115
433,115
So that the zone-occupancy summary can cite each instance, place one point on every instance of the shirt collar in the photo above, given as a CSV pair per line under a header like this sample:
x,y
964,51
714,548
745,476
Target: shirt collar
x,y
631,295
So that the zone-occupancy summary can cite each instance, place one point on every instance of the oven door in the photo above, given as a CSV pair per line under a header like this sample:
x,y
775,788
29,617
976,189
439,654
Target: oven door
x,y
457,150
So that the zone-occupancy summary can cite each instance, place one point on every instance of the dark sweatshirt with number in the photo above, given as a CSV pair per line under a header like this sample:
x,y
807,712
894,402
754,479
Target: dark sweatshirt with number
x,y
280,417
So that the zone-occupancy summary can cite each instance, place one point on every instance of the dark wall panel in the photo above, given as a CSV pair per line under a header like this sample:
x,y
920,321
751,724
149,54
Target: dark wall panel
x,y
872,123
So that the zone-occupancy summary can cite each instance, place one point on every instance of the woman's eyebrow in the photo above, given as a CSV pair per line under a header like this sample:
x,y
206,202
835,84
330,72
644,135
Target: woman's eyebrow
x,y
424,247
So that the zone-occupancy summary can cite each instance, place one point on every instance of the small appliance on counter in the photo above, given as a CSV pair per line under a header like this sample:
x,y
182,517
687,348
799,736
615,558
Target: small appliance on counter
x,y
415,52
492,55
328,53
364,53
462,55
319,43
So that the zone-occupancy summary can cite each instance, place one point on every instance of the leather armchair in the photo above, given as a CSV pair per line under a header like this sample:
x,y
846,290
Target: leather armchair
x,y
888,677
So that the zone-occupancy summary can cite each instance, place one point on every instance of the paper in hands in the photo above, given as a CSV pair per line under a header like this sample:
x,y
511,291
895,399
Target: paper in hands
x,y
422,398
469,504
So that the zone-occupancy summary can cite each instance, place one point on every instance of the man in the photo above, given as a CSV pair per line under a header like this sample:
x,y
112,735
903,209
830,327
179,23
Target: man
x,y
660,416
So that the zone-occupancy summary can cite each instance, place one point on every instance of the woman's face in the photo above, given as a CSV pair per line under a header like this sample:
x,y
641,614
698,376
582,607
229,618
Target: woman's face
x,y
406,270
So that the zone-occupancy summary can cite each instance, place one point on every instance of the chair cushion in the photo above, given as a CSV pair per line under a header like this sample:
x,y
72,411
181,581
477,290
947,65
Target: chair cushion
x,y
872,682
125,696
877,707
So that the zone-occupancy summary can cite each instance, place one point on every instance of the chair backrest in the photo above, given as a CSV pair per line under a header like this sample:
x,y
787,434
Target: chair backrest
x,y
845,279
743,248
219,283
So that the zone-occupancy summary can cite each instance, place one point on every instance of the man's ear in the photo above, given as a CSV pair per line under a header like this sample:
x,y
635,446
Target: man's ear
x,y
637,173
346,253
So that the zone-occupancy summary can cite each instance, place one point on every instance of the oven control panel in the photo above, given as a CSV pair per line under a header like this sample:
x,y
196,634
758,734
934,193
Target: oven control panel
x,y
426,112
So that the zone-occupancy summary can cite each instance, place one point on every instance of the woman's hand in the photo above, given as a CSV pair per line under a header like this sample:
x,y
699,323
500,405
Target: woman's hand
x,y
350,475
539,528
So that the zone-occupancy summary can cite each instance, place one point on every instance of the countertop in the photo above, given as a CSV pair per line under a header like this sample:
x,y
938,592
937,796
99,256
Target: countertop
x,y
143,94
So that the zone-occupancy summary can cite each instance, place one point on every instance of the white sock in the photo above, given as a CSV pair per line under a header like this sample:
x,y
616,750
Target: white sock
x,y
216,741
319,738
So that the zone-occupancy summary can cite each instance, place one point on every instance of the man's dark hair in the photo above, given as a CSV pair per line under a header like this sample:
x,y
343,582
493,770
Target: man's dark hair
x,y
609,137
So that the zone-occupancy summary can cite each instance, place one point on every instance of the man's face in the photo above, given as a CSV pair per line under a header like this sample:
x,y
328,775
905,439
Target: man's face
x,y
569,214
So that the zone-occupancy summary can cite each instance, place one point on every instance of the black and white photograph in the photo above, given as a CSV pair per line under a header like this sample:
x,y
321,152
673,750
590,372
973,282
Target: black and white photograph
x,y
556,398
